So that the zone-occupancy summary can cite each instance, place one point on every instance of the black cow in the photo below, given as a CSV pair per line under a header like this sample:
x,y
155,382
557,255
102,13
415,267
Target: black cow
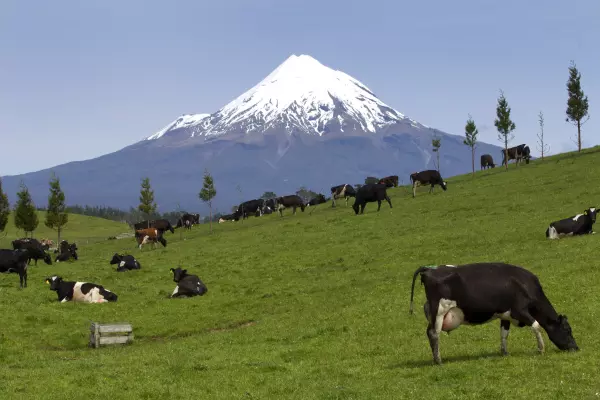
x,y
126,262
84,292
342,191
475,294
227,217
269,205
66,251
187,284
319,199
370,193
188,220
487,161
580,224
162,225
292,200
15,261
34,248
250,207
429,177
390,181
517,153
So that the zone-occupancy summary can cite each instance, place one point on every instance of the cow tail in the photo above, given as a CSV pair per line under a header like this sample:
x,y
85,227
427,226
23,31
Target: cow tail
x,y
419,271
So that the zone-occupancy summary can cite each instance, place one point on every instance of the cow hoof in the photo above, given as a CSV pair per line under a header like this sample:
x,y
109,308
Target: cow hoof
x,y
504,353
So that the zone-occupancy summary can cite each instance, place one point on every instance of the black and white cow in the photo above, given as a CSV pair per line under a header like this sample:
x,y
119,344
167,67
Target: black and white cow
x,y
84,292
247,208
318,199
487,161
126,262
292,200
370,193
187,284
580,224
517,153
429,177
34,248
342,191
15,261
227,217
66,251
188,220
474,294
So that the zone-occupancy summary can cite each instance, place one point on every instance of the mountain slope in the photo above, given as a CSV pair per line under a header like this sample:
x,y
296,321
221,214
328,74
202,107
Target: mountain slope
x,y
305,124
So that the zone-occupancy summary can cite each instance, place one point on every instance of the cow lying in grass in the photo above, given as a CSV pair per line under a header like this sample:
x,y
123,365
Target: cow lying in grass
x,y
66,251
126,262
187,285
580,224
475,294
84,292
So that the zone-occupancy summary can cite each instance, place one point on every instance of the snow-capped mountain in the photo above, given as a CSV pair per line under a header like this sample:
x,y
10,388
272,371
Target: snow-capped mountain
x,y
305,124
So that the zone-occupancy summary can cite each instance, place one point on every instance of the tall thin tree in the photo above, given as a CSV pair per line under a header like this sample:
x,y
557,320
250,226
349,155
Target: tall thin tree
x,y
207,193
504,124
542,146
471,133
577,103
4,208
436,143
56,216
25,214
147,204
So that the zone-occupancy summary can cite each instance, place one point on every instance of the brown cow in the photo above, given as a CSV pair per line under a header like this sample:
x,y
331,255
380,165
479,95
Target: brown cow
x,y
390,181
151,235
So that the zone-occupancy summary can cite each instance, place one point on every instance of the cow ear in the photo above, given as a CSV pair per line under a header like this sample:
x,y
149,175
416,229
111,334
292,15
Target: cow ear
x,y
172,270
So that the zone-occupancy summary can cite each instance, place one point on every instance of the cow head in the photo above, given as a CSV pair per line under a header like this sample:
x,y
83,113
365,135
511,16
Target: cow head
x,y
444,185
47,258
559,332
170,227
591,212
355,208
178,274
117,258
54,282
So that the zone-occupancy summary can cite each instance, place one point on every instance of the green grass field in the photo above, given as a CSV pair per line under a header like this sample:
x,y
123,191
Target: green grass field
x,y
316,306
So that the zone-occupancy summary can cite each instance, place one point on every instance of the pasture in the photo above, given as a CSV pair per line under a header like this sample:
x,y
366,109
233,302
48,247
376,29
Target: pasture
x,y
316,306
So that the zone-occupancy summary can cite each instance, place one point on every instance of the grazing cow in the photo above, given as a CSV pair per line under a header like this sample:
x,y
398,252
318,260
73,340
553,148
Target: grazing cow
x,y
84,292
390,181
228,217
269,205
319,199
162,225
370,193
126,262
15,261
34,248
487,161
342,191
187,284
580,224
188,220
292,200
66,251
151,235
475,294
517,153
429,177
250,207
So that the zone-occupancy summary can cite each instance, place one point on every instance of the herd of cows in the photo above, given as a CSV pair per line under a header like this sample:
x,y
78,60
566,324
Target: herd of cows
x,y
471,294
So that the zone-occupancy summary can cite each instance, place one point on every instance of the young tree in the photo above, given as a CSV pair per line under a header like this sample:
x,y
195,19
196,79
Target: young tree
x,y
56,216
471,133
268,195
4,209
542,147
305,194
504,124
436,143
207,193
25,214
577,104
147,204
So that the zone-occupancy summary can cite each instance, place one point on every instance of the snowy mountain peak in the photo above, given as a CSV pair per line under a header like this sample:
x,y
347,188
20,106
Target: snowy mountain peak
x,y
303,95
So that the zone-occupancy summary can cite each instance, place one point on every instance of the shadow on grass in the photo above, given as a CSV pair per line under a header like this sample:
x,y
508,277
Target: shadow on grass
x,y
457,359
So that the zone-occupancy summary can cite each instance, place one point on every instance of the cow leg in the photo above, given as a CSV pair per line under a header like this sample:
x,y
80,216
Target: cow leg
x,y
362,208
388,200
378,205
347,198
431,188
522,315
294,210
504,330
414,190
433,330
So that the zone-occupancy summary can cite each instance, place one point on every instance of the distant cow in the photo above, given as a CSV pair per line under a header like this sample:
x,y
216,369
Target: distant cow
x,y
187,284
188,220
83,292
487,161
15,261
580,224
429,177
517,153
390,181
475,294
46,243
342,191
319,199
225,218
126,262
34,248
292,200
151,235
250,207
162,225
370,193
66,251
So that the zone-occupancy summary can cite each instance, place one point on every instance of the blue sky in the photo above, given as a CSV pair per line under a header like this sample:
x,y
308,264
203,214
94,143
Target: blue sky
x,y
79,79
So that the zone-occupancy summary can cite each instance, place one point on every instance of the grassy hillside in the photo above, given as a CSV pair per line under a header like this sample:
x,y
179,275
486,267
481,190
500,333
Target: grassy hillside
x,y
81,228
316,306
